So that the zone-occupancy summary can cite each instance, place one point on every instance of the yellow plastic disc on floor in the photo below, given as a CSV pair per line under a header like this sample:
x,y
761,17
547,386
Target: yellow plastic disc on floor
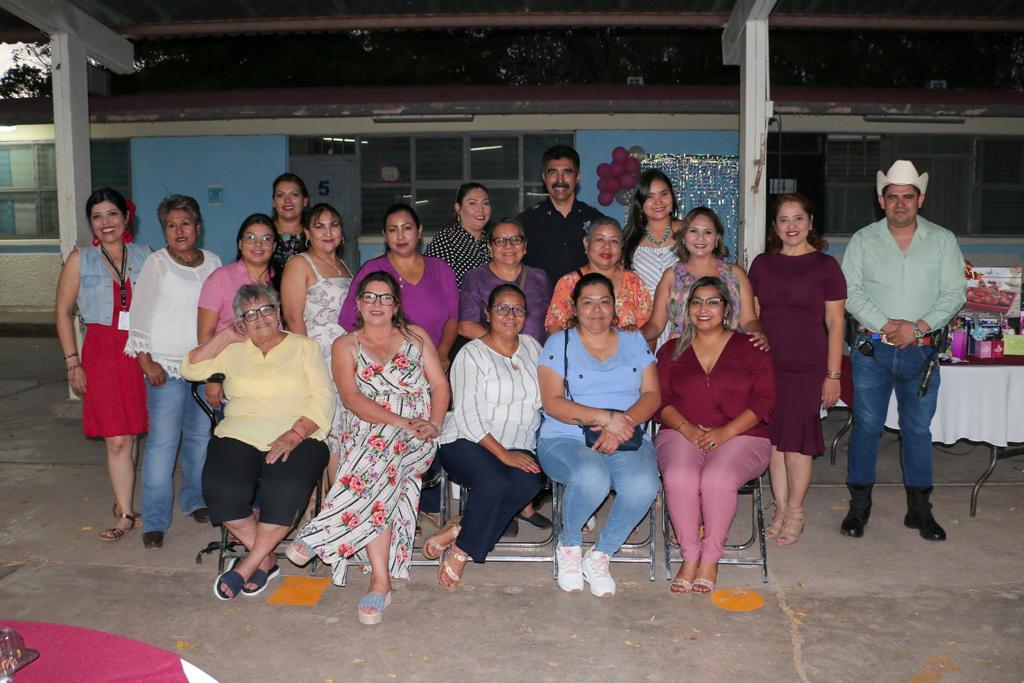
x,y
737,599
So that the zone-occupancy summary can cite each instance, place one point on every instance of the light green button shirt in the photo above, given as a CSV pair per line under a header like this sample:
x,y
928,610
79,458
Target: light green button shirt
x,y
925,284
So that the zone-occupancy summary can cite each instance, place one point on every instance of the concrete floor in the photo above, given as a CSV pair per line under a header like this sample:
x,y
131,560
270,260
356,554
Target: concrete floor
x,y
888,607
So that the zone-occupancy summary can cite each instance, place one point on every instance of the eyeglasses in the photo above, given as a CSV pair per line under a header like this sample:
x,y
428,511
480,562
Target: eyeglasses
x,y
266,310
505,309
253,238
374,297
502,241
697,302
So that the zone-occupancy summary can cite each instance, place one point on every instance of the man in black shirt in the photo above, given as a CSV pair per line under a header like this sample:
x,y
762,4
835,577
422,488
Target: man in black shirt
x,y
555,227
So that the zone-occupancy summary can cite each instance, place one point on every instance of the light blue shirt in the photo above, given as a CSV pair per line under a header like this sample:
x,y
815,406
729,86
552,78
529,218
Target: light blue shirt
x,y
614,383
927,283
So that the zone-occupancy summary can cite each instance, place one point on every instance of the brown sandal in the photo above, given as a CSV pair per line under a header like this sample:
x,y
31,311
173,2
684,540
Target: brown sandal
x,y
115,534
432,548
773,529
445,569
138,516
792,527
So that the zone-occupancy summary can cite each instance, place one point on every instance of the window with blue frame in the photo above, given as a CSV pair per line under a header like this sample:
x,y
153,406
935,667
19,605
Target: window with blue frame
x,y
28,184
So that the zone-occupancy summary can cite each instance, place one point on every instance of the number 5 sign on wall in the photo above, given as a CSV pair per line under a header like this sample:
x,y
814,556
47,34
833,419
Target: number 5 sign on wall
x,y
323,188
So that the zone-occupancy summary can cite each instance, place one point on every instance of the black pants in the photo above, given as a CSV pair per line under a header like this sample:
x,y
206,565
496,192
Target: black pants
x,y
235,469
498,493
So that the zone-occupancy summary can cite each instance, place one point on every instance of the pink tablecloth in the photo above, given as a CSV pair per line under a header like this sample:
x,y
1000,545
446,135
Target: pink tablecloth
x,y
69,653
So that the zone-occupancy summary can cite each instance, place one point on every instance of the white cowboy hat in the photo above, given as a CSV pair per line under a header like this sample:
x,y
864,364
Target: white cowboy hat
x,y
902,172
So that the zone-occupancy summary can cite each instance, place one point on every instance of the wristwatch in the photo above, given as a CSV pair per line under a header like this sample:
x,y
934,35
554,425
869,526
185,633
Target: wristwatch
x,y
918,332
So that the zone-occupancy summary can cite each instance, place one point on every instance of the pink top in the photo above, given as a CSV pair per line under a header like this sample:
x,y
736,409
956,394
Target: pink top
x,y
220,288
430,303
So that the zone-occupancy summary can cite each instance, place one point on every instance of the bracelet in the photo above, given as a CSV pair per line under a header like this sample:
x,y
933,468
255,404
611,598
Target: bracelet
x,y
611,416
681,425
833,374
296,432
73,354
74,367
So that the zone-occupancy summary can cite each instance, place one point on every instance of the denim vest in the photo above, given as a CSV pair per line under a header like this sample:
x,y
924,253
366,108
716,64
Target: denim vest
x,y
95,289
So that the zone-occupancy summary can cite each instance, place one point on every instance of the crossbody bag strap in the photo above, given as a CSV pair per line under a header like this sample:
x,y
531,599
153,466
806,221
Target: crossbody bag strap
x,y
565,366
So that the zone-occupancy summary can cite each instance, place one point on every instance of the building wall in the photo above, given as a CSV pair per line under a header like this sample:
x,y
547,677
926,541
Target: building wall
x,y
242,167
28,279
244,156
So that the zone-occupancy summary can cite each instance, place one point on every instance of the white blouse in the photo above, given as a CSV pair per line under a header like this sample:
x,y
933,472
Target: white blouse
x,y
165,305
494,394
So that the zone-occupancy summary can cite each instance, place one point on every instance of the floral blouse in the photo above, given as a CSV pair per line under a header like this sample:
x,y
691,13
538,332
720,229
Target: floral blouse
x,y
632,301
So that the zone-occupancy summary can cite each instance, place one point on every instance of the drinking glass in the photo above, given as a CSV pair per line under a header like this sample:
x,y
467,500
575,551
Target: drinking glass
x,y
11,645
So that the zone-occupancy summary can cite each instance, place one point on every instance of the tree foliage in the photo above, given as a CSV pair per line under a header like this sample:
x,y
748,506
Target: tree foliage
x,y
554,57
30,74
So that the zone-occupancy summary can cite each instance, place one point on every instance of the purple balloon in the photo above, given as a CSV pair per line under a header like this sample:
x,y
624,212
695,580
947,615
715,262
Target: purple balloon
x,y
612,185
628,181
604,170
605,198
618,168
620,154
632,165
602,185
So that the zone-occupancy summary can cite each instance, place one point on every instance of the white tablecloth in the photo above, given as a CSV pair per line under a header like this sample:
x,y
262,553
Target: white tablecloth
x,y
977,402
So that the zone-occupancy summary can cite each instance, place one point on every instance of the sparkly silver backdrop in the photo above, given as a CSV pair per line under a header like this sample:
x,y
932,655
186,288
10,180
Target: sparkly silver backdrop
x,y
710,180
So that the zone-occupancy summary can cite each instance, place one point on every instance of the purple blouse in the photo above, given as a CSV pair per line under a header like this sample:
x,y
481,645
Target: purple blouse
x,y
430,303
478,283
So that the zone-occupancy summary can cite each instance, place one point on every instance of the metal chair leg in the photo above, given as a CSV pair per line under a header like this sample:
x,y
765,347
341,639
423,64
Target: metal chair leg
x,y
839,435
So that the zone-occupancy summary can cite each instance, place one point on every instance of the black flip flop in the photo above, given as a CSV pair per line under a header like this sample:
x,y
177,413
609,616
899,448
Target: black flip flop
x,y
261,579
233,580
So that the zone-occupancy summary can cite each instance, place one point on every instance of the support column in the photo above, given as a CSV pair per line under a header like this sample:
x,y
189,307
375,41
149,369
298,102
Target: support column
x,y
71,139
755,111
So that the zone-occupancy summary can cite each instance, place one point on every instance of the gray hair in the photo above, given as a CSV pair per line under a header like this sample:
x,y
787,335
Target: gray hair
x,y
250,293
179,202
601,222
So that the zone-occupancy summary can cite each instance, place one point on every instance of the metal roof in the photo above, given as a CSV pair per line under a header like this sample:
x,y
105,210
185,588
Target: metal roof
x,y
179,18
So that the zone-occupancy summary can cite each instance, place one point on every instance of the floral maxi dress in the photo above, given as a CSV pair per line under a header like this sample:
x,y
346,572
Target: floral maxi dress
x,y
381,468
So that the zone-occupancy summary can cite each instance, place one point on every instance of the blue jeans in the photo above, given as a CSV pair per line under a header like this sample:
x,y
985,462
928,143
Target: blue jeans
x,y
589,476
173,413
874,380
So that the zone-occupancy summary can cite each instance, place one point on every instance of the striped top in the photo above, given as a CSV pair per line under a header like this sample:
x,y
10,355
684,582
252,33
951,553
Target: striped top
x,y
494,394
650,263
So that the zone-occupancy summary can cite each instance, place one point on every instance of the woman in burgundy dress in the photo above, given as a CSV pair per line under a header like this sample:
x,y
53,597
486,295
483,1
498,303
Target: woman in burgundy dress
x,y
800,293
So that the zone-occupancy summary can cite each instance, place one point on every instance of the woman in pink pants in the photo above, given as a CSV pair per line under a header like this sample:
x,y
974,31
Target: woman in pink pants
x,y
718,391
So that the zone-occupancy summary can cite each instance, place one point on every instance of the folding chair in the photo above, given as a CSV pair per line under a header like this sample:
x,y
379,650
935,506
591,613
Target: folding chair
x,y
846,396
550,540
647,544
755,489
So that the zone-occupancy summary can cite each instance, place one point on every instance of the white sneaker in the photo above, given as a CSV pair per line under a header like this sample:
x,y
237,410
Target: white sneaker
x,y
595,571
570,577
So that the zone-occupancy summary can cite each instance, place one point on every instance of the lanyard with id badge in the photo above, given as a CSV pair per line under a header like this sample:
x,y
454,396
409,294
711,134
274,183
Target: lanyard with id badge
x,y
122,311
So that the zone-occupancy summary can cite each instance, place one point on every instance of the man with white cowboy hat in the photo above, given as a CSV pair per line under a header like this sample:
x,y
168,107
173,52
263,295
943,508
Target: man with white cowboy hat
x,y
905,280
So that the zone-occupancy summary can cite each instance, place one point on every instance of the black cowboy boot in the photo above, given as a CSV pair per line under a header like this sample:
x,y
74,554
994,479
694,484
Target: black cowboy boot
x,y
919,515
860,509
